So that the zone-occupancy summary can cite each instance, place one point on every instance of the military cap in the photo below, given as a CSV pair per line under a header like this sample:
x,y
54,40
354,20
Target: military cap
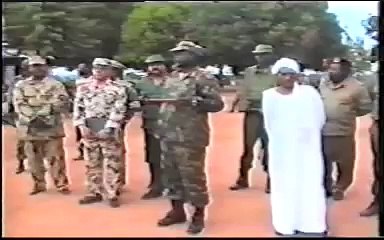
x,y
154,59
37,60
101,61
185,45
117,64
263,48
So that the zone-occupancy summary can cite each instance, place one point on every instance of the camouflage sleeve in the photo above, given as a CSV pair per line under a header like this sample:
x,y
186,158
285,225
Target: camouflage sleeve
x,y
363,102
61,102
118,112
211,99
133,103
78,108
21,106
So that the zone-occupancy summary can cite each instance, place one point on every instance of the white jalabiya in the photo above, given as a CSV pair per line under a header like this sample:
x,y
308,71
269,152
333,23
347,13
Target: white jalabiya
x,y
293,123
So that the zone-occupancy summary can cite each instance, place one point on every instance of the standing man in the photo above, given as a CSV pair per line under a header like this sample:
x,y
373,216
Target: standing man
x,y
345,98
157,74
132,105
99,113
373,208
39,102
257,79
20,155
294,116
184,133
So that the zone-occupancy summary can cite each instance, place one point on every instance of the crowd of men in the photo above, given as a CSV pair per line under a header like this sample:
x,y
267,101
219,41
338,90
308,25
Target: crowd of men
x,y
280,110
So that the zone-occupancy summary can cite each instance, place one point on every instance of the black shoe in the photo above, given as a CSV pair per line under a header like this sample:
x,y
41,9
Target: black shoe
x,y
64,191
240,184
114,202
91,199
151,194
372,210
78,158
197,225
175,216
37,190
20,169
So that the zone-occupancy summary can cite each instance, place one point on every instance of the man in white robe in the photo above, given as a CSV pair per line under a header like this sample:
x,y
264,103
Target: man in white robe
x,y
294,116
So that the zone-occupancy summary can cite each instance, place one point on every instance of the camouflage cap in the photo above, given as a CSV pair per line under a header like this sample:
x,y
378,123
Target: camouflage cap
x,y
37,60
263,48
185,45
116,64
101,62
155,58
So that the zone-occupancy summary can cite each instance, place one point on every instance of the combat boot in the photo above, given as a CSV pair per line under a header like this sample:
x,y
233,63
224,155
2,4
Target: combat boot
x,y
38,189
89,199
268,186
20,168
152,193
241,183
114,202
175,216
197,224
371,210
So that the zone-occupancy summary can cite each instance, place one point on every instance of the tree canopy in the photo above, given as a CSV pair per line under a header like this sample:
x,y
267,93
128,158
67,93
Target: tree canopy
x,y
130,32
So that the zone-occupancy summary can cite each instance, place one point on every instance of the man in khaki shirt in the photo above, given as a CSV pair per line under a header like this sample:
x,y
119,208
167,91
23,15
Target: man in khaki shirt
x,y
345,98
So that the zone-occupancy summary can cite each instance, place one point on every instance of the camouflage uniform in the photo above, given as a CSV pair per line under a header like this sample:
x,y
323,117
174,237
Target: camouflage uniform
x,y
102,155
373,208
184,133
39,105
249,100
132,105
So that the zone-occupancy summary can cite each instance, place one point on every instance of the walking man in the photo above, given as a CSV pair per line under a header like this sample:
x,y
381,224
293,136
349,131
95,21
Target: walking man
x,y
39,101
345,98
257,79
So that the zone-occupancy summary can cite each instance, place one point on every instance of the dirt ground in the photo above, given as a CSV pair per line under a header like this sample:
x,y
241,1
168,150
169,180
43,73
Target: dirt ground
x,y
237,214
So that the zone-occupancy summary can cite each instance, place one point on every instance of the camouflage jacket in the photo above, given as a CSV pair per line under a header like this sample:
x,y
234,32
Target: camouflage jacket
x,y
39,105
100,101
132,99
180,121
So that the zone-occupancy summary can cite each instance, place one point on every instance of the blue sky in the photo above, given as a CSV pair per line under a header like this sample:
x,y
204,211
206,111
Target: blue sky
x,y
350,15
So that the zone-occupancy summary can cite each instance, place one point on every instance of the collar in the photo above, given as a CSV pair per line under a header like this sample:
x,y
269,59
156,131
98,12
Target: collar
x,y
94,84
262,70
339,85
34,82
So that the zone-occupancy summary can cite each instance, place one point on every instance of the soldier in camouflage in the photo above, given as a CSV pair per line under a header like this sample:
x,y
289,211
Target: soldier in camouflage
x,y
99,110
184,132
20,155
132,104
257,79
157,74
373,208
39,102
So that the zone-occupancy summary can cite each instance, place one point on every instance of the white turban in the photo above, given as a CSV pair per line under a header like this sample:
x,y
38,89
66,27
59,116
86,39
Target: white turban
x,y
286,63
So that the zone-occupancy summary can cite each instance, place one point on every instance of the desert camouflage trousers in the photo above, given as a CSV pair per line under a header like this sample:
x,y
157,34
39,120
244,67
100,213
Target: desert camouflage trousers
x,y
103,166
20,153
184,173
52,150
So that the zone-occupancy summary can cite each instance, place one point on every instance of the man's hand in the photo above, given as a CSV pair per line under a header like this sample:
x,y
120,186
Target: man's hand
x,y
196,100
86,132
106,133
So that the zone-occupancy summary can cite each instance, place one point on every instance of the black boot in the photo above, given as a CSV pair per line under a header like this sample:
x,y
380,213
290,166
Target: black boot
x,y
89,199
268,186
242,181
197,224
175,216
20,168
80,157
37,189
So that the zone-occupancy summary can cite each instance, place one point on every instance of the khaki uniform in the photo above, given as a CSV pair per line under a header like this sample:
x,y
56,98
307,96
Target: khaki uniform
x,y
249,101
343,103
39,105
102,156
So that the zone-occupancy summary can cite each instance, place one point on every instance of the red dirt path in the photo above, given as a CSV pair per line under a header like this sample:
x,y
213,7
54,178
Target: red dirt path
x,y
241,214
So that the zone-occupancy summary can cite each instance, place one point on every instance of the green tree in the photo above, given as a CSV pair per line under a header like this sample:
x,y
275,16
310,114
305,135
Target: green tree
x,y
153,28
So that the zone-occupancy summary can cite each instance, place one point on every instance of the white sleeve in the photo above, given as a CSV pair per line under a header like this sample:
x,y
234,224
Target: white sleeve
x,y
266,109
319,110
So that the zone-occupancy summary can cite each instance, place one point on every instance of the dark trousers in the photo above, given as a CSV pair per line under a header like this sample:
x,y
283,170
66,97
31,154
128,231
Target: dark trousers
x,y
78,141
153,158
339,150
253,128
